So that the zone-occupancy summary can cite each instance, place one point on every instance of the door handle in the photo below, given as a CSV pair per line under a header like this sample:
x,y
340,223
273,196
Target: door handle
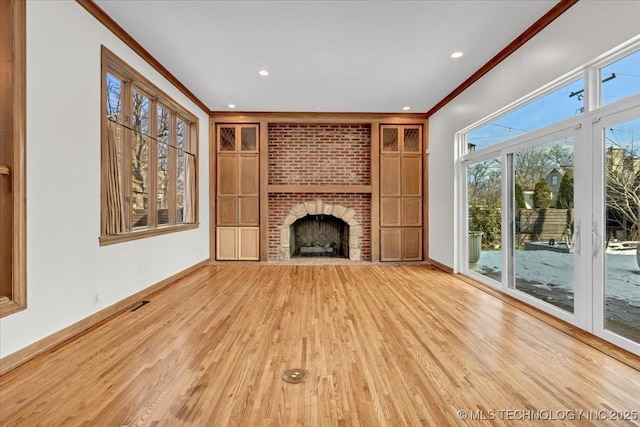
x,y
594,238
576,239
4,170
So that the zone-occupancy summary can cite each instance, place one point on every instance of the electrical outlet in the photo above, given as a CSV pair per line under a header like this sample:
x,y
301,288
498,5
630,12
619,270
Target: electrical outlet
x,y
96,299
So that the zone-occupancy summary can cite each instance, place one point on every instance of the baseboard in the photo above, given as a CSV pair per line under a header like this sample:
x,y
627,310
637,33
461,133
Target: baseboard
x,y
581,335
16,359
440,266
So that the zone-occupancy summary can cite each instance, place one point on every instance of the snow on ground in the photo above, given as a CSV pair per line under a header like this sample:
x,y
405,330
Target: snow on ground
x,y
556,268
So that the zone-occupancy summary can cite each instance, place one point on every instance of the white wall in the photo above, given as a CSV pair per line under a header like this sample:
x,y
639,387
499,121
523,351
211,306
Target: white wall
x,y
65,264
586,31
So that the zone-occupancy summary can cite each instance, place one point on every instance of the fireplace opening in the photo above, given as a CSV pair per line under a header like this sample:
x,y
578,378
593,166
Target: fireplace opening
x,y
319,236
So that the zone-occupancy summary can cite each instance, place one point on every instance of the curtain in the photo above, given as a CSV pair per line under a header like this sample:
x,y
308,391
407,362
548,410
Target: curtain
x,y
189,188
115,206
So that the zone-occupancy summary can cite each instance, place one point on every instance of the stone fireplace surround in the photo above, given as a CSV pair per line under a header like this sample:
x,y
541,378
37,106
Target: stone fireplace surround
x,y
319,207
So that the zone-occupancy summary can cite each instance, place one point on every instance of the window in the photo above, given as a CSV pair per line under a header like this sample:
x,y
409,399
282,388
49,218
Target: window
x,y
13,292
149,151
560,104
620,79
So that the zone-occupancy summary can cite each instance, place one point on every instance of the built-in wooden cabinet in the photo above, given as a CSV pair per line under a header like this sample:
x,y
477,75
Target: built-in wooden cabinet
x,y
401,193
237,243
238,192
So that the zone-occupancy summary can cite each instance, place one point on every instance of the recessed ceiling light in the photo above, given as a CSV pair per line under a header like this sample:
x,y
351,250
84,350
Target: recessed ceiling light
x,y
231,106
406,108
263,72
456,54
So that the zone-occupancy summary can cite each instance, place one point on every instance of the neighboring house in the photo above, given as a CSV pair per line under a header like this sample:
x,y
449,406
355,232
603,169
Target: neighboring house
x,y
632,163
619,159
615,159
554,178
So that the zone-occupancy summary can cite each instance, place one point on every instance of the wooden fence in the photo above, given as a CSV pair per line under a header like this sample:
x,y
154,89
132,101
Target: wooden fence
x,y
542,224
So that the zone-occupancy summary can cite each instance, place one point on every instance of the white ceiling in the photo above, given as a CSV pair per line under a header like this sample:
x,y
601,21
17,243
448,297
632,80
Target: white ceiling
x,y
329,56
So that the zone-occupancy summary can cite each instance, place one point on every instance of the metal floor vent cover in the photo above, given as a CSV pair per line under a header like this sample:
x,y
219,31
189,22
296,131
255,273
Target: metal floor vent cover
x,y
295,376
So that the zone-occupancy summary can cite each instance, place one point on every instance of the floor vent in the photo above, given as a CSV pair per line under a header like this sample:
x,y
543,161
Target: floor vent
x,y
139,305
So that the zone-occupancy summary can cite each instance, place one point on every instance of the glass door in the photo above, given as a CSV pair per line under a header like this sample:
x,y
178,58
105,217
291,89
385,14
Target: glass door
x,y
544,223
616,236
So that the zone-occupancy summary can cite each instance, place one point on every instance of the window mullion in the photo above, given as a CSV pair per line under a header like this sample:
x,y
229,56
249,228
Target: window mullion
x,y
173,169
127,177
153,164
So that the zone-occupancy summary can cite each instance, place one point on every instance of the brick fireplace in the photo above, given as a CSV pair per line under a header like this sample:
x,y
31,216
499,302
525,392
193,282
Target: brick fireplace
x,y
320,208
308,156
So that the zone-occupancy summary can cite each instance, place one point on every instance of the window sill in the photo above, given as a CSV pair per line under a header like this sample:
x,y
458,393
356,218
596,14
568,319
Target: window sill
x,y
108,239
9,306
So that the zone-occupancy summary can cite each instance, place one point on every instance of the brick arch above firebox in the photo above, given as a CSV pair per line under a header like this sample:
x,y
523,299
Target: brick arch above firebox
x,y
319,207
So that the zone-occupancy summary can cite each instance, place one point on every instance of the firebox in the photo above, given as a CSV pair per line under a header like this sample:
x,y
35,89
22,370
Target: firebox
x,y
319,236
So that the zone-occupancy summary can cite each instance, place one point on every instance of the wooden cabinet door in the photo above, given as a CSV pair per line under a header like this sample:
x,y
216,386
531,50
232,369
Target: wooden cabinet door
x,y
248,175
411,211
227,211
226,243
227,175
412,176
390,212
248,211
390,244
390,184
248,243
412,244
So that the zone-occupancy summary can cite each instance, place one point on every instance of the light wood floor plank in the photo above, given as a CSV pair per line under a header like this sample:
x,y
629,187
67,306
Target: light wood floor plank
x,y
384,345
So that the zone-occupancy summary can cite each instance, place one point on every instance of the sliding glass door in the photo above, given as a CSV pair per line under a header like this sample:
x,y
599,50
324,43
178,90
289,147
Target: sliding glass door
x,y
543,218
616,237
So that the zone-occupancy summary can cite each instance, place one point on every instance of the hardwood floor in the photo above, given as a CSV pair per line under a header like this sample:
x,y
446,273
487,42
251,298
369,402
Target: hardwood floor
x,y
383,345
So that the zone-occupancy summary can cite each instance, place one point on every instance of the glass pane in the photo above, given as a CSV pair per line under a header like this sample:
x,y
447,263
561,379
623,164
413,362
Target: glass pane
x,y
411,140
620,79
484,221
622,251
114,114
227,139
561,104
140,160
114,97
543,195
390,139
163,165
248,138
180,186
